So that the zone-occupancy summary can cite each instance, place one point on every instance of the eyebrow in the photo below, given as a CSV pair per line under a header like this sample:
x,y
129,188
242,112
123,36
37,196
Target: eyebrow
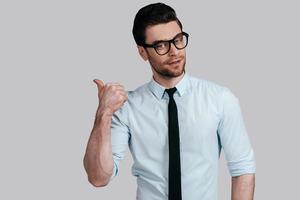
x,y
158,41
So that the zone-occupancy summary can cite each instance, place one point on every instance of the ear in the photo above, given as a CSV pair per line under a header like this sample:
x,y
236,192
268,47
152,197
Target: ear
x,y
142,52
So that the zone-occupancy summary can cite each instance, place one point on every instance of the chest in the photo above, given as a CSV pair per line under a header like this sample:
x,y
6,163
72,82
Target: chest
x,y
198,122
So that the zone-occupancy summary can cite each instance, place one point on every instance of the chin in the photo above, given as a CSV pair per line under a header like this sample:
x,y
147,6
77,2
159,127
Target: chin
x,y
174,72
177,70
170,71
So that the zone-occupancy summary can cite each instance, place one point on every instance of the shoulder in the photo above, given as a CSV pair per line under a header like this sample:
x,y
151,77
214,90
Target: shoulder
x,y
135,97
138,95
206,86
213,91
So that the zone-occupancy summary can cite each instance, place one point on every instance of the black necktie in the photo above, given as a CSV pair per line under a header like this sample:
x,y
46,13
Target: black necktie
x,y
174,149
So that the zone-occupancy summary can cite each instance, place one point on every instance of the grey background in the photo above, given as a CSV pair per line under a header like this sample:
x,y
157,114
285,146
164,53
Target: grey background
x,y
50,51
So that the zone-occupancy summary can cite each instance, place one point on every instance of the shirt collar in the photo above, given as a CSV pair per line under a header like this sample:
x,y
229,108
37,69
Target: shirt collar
x,y
158,90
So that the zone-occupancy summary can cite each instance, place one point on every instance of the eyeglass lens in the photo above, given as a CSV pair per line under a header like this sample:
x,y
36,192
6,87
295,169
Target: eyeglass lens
x,y
180,42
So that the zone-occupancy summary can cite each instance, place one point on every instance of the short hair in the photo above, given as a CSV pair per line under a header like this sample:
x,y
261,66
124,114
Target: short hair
x,y
152,14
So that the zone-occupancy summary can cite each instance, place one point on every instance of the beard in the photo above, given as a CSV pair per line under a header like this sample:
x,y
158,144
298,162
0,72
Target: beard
x,y
169,71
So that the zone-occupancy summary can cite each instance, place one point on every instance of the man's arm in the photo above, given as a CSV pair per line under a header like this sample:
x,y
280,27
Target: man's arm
x,y
98,160
237,148
242,187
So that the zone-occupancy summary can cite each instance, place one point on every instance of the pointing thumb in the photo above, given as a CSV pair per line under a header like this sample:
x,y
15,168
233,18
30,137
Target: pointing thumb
x,y
99,83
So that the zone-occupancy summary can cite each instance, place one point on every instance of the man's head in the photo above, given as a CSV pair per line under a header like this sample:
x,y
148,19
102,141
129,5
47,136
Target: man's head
x,y
158,34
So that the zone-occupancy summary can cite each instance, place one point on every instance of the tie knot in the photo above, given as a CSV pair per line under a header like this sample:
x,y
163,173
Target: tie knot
x,y
171,91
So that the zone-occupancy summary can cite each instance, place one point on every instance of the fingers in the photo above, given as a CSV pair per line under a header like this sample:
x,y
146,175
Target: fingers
x,y
100,84
123,94
113,86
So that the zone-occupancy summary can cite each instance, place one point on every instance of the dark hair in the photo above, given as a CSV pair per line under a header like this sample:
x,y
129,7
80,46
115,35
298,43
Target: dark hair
x,y
150,15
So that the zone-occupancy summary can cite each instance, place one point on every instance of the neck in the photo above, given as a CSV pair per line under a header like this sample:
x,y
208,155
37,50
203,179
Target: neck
x,y
167,82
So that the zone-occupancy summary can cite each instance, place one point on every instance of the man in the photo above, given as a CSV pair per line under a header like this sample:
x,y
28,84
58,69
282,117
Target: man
x,y
175,125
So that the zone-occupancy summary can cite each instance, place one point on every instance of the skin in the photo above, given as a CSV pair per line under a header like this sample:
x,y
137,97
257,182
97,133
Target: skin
x,y
165,74
242,187
98,160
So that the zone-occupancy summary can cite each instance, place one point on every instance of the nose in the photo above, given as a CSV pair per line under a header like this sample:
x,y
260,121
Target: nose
x,y
173,50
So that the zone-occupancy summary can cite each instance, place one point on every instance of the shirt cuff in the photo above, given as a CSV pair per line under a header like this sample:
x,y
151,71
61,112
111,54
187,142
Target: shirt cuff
x,y
244,166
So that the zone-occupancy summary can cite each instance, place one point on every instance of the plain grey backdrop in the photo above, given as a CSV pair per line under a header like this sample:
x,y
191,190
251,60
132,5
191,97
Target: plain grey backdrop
x,y
50,51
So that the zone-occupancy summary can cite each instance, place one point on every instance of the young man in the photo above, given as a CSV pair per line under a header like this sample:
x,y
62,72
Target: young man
x,y
175,125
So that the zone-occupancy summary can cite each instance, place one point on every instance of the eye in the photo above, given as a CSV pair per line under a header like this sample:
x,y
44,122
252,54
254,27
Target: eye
x,y
161,45
179,39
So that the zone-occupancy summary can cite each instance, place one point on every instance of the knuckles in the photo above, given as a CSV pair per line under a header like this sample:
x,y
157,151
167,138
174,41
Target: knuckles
x,y
115,92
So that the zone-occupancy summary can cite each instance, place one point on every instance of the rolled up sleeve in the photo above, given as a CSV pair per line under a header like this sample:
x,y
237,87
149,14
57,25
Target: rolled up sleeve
x,y
233,136
120,136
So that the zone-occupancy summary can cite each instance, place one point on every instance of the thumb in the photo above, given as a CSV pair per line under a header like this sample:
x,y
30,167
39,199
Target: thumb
x,y
99,84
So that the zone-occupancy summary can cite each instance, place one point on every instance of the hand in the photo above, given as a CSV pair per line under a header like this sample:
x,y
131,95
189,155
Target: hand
x,y
111,97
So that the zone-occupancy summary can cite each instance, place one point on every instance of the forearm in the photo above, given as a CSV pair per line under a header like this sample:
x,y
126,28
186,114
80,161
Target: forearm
x,y
243,187
98,160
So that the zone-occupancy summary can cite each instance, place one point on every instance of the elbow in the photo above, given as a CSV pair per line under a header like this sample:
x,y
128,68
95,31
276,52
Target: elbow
x,y
96,182
96,178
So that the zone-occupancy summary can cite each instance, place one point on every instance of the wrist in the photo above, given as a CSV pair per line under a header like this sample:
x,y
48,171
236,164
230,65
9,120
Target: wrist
x,y
103,117
104,113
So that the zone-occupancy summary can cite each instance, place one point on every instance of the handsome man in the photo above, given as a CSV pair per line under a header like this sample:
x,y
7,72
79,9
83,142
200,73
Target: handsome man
x,y
175,125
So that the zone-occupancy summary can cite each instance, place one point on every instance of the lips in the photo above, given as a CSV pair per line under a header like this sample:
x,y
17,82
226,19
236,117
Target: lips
x,y
174,62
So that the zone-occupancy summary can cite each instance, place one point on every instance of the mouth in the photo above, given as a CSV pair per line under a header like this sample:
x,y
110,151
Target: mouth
x,y
174,62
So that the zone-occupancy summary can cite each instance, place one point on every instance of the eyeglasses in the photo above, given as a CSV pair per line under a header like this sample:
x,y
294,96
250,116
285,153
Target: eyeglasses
x,y
162,47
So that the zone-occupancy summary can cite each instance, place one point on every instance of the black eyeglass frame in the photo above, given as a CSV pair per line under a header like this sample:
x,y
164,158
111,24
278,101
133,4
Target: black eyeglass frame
x,y
170,41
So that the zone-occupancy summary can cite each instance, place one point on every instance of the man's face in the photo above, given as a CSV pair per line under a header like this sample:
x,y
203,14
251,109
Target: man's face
x,y
171,64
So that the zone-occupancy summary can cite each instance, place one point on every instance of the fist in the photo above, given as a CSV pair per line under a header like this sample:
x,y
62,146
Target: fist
x,y
111,97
